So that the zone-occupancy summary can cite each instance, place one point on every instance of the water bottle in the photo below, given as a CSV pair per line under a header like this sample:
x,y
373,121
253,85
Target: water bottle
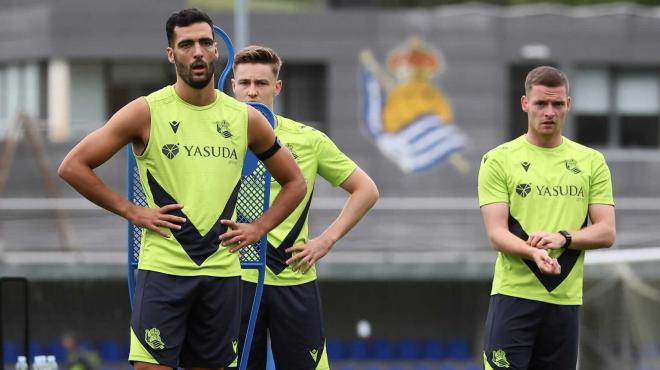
x,y
21,363
51,362
39,363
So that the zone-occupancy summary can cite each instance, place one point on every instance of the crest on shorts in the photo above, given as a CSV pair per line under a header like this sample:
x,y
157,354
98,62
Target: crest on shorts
x,y
152,337
234,345
406,115
499,358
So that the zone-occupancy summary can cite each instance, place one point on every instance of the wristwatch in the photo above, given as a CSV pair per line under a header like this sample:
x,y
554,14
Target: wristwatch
x,y
568,236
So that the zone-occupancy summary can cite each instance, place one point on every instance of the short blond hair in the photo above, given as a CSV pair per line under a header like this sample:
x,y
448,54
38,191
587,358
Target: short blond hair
x,y
260,55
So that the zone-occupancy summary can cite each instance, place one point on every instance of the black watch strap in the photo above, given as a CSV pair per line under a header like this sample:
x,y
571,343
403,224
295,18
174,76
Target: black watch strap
x,y
568,236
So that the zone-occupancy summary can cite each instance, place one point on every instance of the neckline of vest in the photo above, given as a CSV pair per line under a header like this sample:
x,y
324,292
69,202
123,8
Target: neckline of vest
x,y
192,106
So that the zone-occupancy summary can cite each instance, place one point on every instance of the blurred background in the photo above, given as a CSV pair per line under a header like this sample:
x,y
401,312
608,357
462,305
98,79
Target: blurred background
x,y
408,288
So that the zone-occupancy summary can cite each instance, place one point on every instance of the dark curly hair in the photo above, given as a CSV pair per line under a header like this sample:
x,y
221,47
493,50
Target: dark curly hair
x,y
185,18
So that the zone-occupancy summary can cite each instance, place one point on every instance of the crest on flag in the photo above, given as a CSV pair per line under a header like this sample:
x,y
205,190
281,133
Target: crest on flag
x,y
409,118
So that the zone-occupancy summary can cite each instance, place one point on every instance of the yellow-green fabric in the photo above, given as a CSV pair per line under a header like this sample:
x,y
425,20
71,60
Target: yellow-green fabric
x,y
315,154
546,190
196,155
486,363
137,351
323,363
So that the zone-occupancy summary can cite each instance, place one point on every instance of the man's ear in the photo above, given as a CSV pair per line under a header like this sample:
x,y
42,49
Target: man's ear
x,y
170,54
524,103
278,87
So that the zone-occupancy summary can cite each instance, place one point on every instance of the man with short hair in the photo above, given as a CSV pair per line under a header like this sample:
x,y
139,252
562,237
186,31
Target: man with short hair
x,y
291,305
190,142
537,194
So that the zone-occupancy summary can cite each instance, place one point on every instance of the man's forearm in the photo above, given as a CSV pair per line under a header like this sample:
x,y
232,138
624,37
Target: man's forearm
x,y
87,183
503,240
287,200
595,236
356,206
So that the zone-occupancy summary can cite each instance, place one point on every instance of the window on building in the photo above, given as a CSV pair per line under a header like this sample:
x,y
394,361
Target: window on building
x,y
304,93
616,107
128,80
20,92
88,97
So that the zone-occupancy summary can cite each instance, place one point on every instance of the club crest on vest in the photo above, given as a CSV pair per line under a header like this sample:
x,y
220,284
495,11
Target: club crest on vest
x,y
223,129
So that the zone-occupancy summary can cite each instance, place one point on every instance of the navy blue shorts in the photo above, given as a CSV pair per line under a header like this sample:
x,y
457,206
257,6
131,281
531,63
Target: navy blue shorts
x,y
293,318
522,334
182,321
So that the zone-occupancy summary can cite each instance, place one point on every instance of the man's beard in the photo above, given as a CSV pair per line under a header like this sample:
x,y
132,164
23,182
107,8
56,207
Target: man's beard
x,y
186,73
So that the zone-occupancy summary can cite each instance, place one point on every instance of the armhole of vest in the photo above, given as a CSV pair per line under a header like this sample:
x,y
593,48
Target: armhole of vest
x,y
151,134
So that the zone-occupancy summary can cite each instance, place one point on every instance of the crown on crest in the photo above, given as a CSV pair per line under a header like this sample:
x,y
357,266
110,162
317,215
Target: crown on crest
x,y
416,54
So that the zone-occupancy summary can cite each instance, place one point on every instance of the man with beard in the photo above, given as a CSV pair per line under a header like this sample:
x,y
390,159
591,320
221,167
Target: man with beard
x,y
189,141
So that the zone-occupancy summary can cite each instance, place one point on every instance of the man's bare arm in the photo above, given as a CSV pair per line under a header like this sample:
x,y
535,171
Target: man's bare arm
x,y
284,170
363,195
501,239
129,125
602,231
600,234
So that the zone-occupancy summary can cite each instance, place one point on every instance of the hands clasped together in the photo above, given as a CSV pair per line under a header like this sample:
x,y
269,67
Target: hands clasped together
x,y
544,241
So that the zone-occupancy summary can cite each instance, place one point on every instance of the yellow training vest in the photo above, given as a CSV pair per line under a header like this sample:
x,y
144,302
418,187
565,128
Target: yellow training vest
x,y
194,157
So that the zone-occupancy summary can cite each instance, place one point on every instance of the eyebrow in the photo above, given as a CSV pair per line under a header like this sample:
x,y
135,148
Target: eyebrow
x,y
545,101
256,79
193,40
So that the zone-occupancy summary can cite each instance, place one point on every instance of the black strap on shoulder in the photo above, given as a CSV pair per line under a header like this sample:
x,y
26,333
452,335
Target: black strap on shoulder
x,y
270,151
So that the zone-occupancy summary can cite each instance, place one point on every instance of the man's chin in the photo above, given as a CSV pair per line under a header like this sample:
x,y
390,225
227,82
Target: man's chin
x,y
199,84
548,133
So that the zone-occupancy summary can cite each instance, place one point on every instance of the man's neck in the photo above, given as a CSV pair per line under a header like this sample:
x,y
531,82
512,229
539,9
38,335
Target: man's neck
x,y
198,97
544,141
